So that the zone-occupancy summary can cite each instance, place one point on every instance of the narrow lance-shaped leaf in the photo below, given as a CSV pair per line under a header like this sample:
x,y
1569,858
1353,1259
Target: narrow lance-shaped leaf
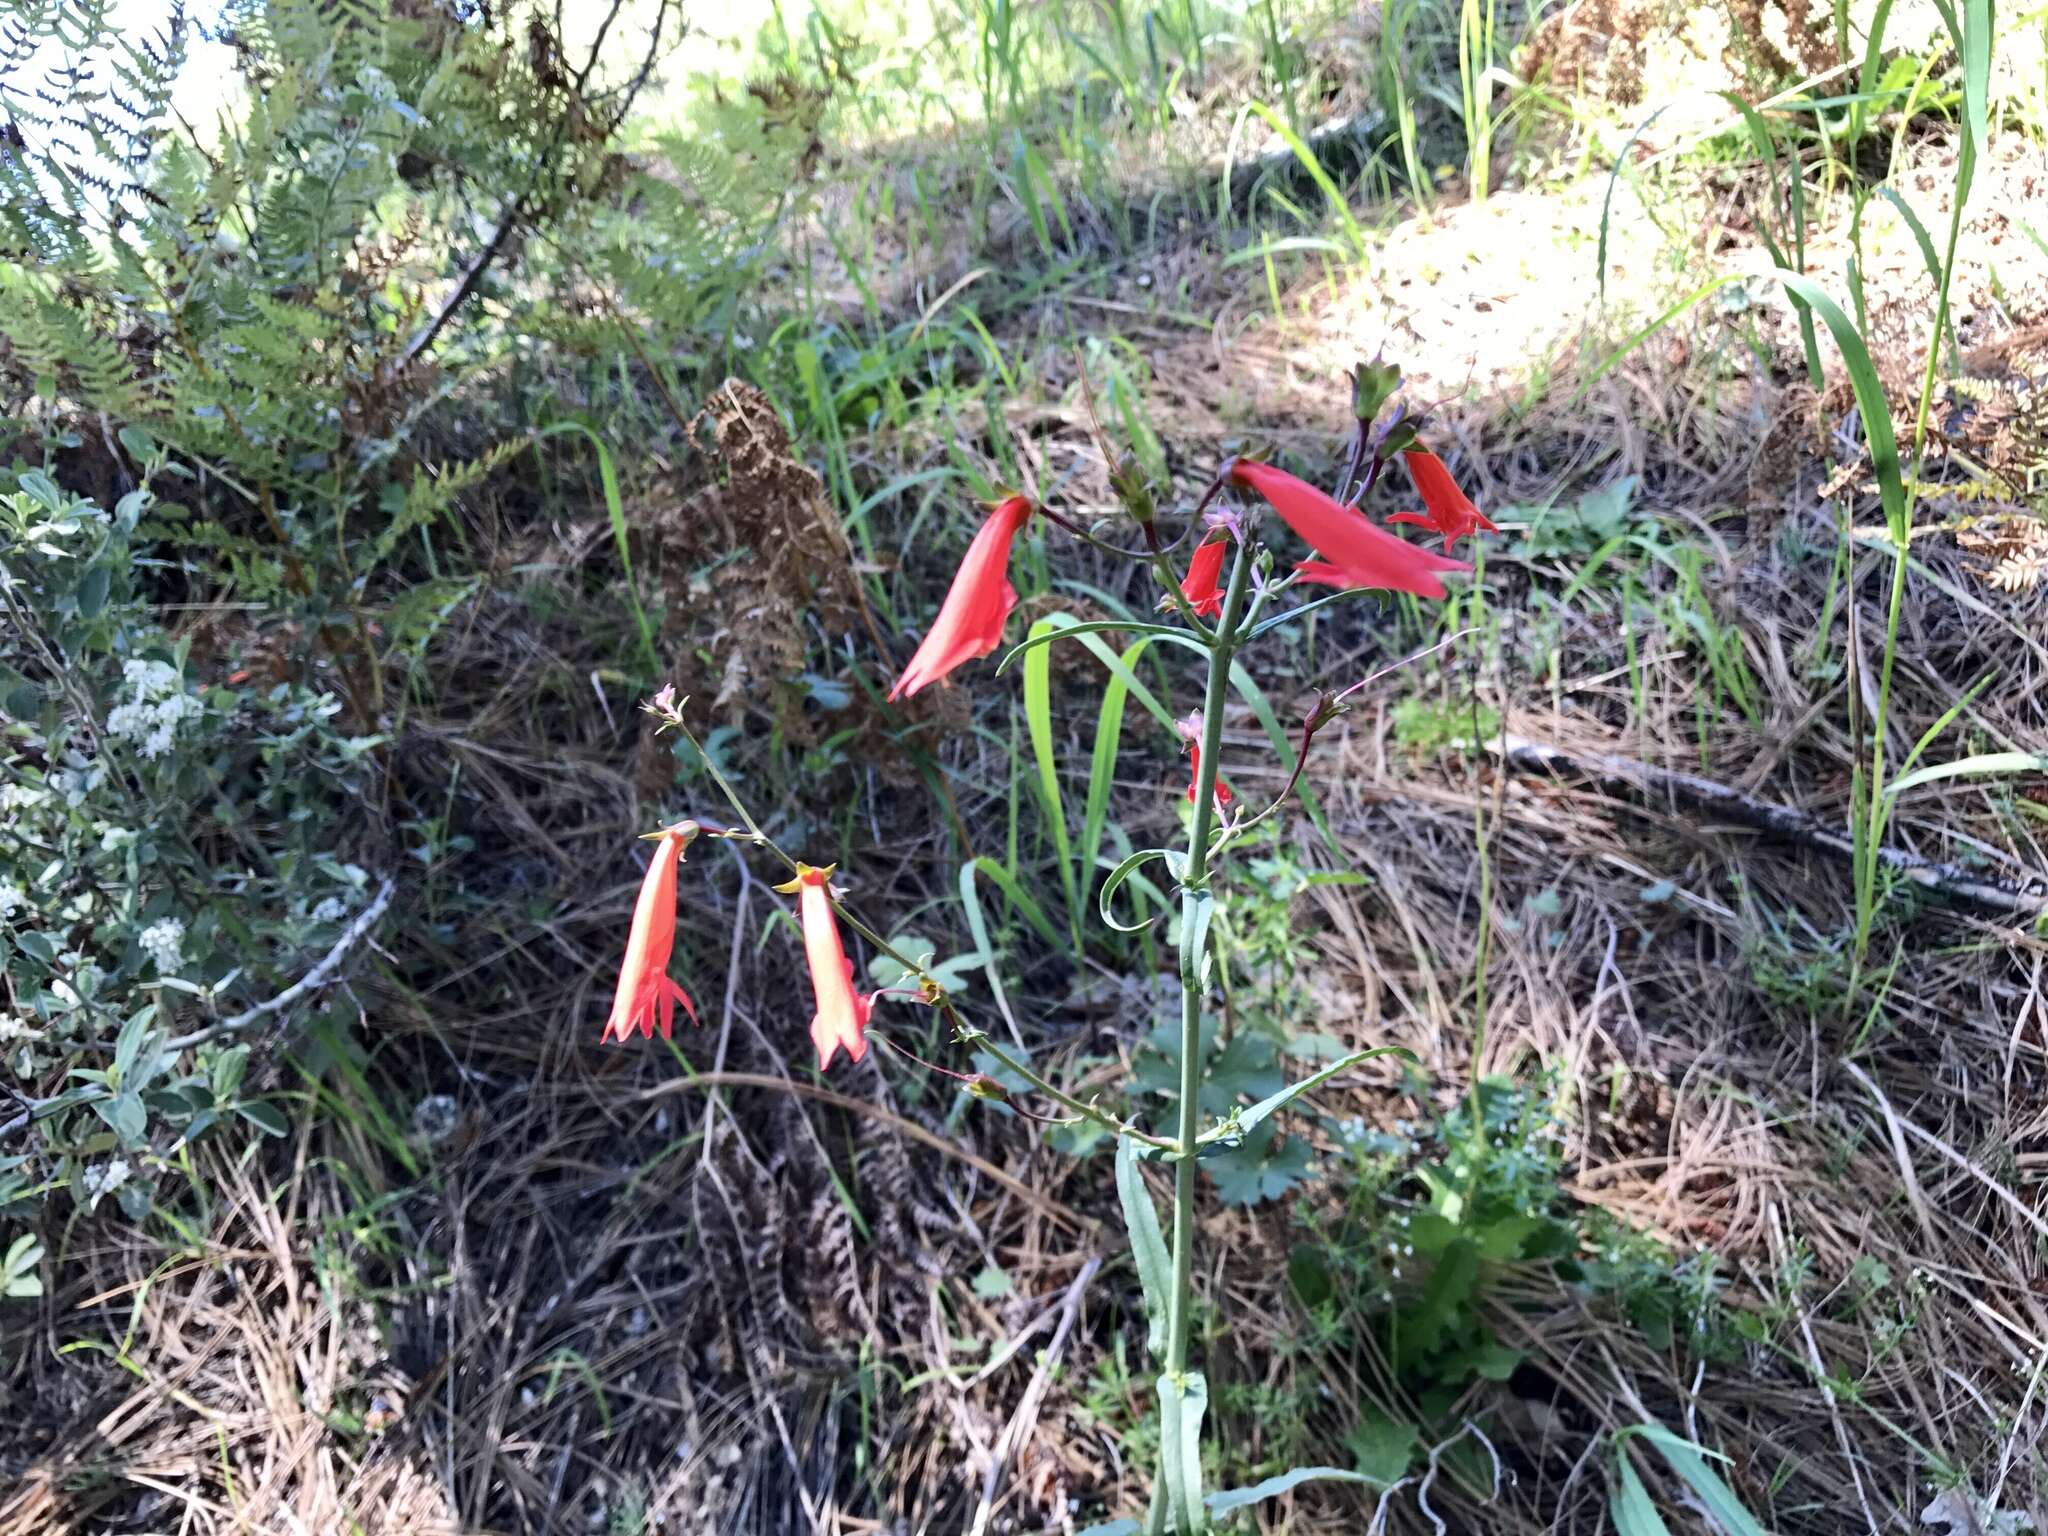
x,y
1293,1091
1973,767
1634,1514
1228,1499
1182,1402
1148,1244
1125,868
1689,1461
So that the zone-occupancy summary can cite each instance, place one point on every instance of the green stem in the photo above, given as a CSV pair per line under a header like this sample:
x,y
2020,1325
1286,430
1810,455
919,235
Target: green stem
x,y
1196,902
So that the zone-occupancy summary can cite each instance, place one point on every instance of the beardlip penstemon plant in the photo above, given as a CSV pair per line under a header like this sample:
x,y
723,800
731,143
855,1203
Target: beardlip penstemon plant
x,y
1220,612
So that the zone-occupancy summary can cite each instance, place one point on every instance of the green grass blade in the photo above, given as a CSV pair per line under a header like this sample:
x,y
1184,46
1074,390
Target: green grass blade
x,y
1982,765
1007,882
1041,635
1689,1461
977,925
1634,1514
1353,235
1926,243
1109,729
1870,404
1613,178
1038,724
615,509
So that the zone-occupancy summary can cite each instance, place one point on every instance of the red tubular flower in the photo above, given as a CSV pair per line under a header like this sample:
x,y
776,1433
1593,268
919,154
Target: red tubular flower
x,y
1365,555
646,990
842,1016
1320,573
1451,512
1204,567
970,621
1191,733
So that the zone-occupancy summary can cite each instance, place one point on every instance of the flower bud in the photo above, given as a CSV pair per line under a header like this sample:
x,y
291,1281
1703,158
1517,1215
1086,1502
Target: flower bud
x,y
1128,481
1372,385
1327,707
982,1086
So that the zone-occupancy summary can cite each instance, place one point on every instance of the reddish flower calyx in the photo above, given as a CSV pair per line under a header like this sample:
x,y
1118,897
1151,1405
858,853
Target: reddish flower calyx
x,y
1365,556
646,993
840,1022
1205,568
970,621
1451,512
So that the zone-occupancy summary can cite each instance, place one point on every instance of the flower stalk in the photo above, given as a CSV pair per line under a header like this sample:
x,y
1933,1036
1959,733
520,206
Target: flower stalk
x,y
1196,905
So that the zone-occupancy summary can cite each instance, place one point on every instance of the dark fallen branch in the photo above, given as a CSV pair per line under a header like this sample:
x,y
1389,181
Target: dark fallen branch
x,y
2006,895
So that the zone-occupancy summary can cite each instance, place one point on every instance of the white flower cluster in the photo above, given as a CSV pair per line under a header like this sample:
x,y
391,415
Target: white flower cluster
x,y
12,899
164,942
102,1179
16,1026
160,704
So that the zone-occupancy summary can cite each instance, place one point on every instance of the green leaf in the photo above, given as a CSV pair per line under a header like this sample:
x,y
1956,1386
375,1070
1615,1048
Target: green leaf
x,y
1927,255
128,1044
1870,402
1971,767
1109,730
265,1116
92,591
1689,1461
1050,628
991,1283
615,509
1634,1514
1260,1169
1293,1091
1503,1239
1225,1500
1182,1402
1038,721
124,1112
1450,1286
1148,1244
1381,1448
1125,868
1309,1273
18,1278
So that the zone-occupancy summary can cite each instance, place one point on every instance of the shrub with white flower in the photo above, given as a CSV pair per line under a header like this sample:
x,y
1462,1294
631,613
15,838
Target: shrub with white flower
x,y
158,705
125,921
164,942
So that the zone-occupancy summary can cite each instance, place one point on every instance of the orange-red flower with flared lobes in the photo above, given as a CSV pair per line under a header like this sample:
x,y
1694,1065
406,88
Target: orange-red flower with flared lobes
x,y
646,991
1366,556
970,621
841,1020
1451,512
1205,567
1190,731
